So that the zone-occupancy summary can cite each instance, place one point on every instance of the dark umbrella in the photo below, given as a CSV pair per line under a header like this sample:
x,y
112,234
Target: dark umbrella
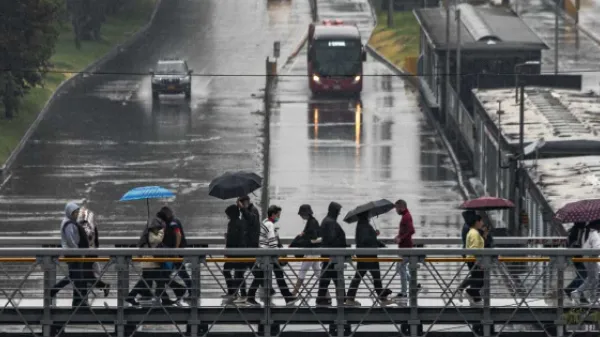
x,y
579,211
487,204
234,185
374,208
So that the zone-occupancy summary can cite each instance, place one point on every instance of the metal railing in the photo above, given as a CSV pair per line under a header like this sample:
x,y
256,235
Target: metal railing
x,y
215,241
30,304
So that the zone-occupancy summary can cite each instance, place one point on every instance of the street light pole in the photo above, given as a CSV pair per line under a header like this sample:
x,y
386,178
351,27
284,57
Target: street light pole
x,y
556,14
520,175
458,59
517,68
447,77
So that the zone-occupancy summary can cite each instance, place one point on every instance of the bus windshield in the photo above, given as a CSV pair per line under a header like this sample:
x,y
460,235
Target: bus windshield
x,y
337,57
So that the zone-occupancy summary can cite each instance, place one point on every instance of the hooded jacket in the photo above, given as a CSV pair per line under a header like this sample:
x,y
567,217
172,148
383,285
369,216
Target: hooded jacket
x,y
366,236
72,234
332,234
235,228
406,230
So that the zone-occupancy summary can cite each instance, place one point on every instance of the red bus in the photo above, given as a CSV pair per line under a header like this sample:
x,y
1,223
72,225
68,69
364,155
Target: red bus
x,y
335,58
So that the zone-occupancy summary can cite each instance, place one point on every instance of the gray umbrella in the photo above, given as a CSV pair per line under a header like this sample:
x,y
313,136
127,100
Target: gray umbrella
x,y
374,208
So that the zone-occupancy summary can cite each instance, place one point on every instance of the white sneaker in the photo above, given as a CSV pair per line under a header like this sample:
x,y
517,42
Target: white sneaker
x,y
472,302
461,295
576,297
240,300
181,303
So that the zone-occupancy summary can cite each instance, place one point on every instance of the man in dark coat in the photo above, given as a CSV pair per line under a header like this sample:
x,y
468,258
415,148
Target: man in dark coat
x,y
235,238
366,237
333,236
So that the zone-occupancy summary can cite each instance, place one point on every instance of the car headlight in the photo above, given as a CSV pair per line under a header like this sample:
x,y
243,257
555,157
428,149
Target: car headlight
x,y
186,80
356,79
316,79
155,80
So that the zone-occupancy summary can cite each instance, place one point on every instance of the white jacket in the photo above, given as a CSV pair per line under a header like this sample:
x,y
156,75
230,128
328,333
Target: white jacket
x,y
153,241
592,242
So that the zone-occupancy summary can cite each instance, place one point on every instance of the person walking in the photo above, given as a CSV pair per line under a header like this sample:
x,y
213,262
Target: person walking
x,y
234,238
474,281
575,240
366,237
175,238
309,238
250,218
406,230
152,272
269,238
333,236
72,236
588,289
91,270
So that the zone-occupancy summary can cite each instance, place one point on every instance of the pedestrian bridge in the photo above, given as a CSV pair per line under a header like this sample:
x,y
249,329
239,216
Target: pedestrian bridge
x,y
515,282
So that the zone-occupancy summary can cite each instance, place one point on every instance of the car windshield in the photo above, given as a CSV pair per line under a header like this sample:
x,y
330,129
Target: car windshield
x,y
171,68
337,58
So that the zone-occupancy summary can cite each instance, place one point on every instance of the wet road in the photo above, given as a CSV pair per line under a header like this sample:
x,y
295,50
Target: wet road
x,y
577,52
105,136
353,151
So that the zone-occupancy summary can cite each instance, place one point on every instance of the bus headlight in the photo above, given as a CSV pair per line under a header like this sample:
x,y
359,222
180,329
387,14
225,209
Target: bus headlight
x,y
316,79
357,79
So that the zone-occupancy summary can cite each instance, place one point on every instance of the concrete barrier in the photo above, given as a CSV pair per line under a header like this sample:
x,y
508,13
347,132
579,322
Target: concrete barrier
x,y
72,82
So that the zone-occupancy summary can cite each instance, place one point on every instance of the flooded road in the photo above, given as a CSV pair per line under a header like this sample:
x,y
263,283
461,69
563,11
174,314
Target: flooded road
x,y
357,150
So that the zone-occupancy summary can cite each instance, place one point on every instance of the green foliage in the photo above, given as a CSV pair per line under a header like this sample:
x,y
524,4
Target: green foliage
x,y
27,38
578,315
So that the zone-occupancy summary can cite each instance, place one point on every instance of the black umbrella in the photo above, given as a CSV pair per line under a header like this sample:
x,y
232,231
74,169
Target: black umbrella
x,y
374,208
234,185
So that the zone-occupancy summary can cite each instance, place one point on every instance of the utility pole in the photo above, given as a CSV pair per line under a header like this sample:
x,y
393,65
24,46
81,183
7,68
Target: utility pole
x,y
556,24
520,169
447,74
458,57
390,14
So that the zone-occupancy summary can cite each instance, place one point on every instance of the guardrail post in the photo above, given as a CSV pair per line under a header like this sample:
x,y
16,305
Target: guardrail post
x,y
122,266
340,294
561,262
194,322
487,322
49,267
266,265
415,322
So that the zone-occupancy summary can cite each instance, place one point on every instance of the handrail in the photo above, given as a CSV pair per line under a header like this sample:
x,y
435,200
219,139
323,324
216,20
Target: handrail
x,y
38,241
292,259
258,252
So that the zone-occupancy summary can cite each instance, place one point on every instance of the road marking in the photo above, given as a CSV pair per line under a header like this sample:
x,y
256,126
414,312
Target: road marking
x,y
5,181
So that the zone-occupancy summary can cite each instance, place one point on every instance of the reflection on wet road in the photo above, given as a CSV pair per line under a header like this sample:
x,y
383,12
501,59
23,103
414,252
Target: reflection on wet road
x,y
356,150
105,136
577,52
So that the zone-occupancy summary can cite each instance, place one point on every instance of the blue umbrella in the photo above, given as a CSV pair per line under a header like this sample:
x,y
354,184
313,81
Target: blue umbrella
x,y
147,192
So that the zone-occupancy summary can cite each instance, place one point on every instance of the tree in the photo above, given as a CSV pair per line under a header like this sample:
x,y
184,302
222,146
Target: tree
x,y
87,17
27,37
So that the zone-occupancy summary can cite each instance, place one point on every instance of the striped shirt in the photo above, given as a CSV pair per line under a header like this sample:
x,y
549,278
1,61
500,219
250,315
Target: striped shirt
x,y
268,235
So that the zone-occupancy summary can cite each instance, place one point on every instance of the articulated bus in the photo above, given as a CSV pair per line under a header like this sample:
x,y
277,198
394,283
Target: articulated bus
x,y
335,58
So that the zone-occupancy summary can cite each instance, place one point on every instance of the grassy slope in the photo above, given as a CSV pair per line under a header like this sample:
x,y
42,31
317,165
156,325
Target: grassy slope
x,y
398,42
68,59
